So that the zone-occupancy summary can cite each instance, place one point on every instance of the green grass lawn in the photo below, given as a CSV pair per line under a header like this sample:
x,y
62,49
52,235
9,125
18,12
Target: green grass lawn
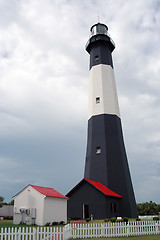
x,y
144,237
6,223
9,223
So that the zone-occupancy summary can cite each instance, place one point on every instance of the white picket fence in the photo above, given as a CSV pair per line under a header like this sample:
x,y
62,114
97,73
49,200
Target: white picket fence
x,y
147,217
90,230
118,229
29,233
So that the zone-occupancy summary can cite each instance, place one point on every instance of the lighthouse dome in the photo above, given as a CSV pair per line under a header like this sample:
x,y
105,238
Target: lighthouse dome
x,y
99,28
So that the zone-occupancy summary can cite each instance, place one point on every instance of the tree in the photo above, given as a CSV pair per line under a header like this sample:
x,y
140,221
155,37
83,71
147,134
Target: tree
x,y
1,201
148,208
11,202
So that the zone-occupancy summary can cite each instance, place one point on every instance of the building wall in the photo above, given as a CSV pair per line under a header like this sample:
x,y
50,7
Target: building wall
x,y
6,211
27,199
55,210
99,204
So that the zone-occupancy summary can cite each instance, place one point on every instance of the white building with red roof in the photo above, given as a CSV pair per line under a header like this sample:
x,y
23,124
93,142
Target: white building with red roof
x,y
39,205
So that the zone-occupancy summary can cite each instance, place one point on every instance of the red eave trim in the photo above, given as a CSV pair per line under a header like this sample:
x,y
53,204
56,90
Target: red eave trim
x,y
103,188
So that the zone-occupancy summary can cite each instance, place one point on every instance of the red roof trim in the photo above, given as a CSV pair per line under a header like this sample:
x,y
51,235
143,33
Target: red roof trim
x,y
106,191
48,192
103,188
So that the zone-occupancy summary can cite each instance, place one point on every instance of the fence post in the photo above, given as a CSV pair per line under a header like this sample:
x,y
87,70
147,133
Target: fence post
x,y
67,232
19,233
34,233
70,231
103,230
128,230
1,233
157,228
64,232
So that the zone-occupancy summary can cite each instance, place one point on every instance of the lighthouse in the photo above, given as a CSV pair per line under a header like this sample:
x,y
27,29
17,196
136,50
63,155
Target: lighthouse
x,y
106,189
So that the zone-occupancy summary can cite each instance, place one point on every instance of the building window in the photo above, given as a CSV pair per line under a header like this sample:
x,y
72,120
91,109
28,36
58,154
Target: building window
x,y
97,99
98,150
96,58
113,207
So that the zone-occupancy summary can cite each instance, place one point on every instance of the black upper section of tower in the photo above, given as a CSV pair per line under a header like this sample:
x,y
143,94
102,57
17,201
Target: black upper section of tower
x,y
100,46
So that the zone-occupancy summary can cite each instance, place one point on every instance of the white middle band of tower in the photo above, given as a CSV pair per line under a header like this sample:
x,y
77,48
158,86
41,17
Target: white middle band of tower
x,y
102,91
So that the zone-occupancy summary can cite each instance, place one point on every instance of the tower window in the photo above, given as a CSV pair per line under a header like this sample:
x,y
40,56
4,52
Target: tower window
x,y
98,150
96,58
97,99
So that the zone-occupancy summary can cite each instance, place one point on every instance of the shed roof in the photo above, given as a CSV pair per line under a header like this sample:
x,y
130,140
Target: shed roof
x,y
99,186
46,191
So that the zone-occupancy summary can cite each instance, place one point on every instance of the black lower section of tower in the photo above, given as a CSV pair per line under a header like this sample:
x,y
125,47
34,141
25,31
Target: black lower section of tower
x,y
106,160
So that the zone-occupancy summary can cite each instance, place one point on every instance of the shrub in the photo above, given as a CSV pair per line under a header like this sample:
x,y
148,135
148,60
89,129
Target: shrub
x,y
125,219
22,223
156,218
113,219
61,222
106,220
54,223
120,220
47,224
88,219
68,220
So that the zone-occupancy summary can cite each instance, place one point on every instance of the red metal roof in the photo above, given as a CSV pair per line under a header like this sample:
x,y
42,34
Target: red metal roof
x,y
106,191
49,192
103,189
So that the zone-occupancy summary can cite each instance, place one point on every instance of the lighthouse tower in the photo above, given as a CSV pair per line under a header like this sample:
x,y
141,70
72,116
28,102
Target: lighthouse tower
x,y
106,165
106,160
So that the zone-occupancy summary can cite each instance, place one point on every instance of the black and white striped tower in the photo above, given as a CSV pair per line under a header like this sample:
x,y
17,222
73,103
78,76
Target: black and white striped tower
x,y
106,160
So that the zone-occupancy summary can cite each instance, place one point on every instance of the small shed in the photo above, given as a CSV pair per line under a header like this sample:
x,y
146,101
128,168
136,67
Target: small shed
x,y
6,212
39,205
91,198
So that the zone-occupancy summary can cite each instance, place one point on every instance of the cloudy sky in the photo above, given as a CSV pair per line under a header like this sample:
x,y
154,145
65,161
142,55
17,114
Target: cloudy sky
x,y
44,83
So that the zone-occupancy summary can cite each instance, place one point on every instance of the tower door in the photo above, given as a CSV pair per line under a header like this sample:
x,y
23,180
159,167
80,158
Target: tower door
x,y
85,211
